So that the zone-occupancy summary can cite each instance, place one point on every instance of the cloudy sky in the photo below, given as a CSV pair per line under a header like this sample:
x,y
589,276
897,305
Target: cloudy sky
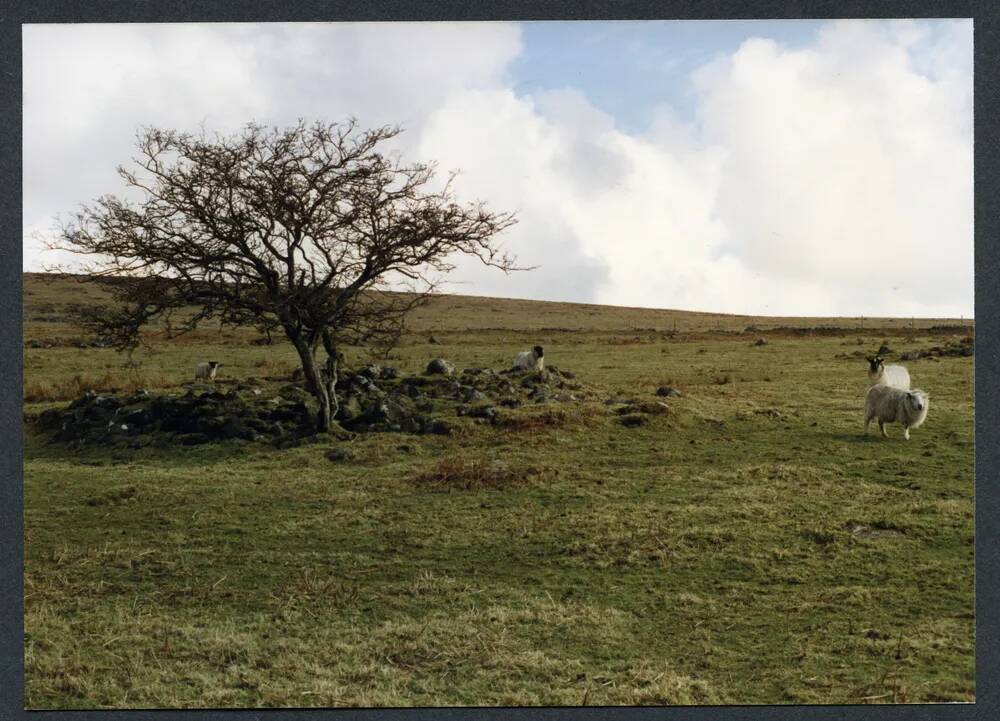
x,y
785,168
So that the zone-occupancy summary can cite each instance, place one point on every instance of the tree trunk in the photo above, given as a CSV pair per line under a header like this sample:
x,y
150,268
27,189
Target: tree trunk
x,y
332,362
315,383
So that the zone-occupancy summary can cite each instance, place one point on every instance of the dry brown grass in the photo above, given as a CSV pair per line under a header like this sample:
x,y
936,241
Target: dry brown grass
x,y
445,313
547,417
274,367
468,474
68,389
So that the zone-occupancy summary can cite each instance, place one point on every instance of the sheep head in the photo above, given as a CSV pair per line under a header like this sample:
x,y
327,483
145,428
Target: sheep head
x,y
917,400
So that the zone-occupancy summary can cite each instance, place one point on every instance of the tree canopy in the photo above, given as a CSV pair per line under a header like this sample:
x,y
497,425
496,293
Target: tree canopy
x,y
312,229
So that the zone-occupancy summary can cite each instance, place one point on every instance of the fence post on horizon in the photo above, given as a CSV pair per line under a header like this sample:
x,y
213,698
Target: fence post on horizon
x,y
862,322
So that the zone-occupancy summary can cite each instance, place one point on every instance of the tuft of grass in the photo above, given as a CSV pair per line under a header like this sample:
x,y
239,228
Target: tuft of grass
x,y
467,474
75,386
547,417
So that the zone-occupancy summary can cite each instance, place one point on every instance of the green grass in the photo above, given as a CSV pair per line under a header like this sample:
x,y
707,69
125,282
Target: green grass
x,y
747,547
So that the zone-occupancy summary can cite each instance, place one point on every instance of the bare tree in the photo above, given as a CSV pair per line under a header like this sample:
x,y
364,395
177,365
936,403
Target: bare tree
x,y
312,229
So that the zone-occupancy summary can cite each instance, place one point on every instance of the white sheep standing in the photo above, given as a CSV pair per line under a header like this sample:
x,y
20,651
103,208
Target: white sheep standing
x,y
895,405
891,375
530,360
205,371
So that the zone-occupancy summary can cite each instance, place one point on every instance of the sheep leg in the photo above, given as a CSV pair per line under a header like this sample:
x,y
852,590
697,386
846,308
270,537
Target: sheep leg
x,y
868,421
881,427
906,432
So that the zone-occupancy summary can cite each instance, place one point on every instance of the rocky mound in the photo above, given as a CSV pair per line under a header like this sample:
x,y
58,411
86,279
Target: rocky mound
x,y
373,399
377,399
200,415
963,348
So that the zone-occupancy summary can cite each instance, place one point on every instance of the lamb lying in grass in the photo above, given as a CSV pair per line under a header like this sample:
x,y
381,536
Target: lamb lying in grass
x,y
895,405
891,375
532,360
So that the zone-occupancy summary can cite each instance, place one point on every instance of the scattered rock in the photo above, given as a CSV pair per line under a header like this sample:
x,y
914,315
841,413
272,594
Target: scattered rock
x,y
471,395
654,408
760,341
667,391
961,349
385,414
340,454
769,412
634,420
434,340
371,371
439,366
863,531
487,412
851,355
438,426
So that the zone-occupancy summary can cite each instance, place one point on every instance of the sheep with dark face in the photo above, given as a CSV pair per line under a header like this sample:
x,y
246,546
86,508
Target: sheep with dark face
x,y
886,404
530,360
205,371
889,375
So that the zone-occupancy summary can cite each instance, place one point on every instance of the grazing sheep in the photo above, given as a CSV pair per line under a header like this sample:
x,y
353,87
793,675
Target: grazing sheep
x,y
895,405
530,360
892,375
205,371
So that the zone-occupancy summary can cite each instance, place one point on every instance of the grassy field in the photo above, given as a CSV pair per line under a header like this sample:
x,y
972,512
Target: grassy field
x,y
749,546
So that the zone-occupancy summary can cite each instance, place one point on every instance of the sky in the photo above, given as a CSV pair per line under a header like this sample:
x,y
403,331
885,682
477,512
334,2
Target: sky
x,y
759,167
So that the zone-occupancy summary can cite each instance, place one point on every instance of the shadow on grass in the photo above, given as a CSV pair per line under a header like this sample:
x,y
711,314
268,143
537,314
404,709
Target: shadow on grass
x,y
39,447
860,438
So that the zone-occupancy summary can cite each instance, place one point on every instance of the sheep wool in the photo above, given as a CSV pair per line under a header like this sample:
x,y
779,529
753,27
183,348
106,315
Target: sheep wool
x,y
530,360
886,404
890,375
205,371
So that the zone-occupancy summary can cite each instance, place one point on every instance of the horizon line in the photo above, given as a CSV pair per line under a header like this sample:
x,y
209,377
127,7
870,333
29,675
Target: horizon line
x,y
960,318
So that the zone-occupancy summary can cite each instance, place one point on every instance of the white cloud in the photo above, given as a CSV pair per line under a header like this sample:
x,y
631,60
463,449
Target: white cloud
x,y
88,87
845,167
831,179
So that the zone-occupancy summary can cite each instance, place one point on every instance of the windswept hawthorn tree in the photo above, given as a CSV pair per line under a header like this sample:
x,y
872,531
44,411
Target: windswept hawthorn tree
x,y
311,229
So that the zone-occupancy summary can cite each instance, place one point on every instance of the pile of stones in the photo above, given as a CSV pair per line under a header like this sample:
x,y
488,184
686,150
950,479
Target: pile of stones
x,y
201,415
372,399
956,349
